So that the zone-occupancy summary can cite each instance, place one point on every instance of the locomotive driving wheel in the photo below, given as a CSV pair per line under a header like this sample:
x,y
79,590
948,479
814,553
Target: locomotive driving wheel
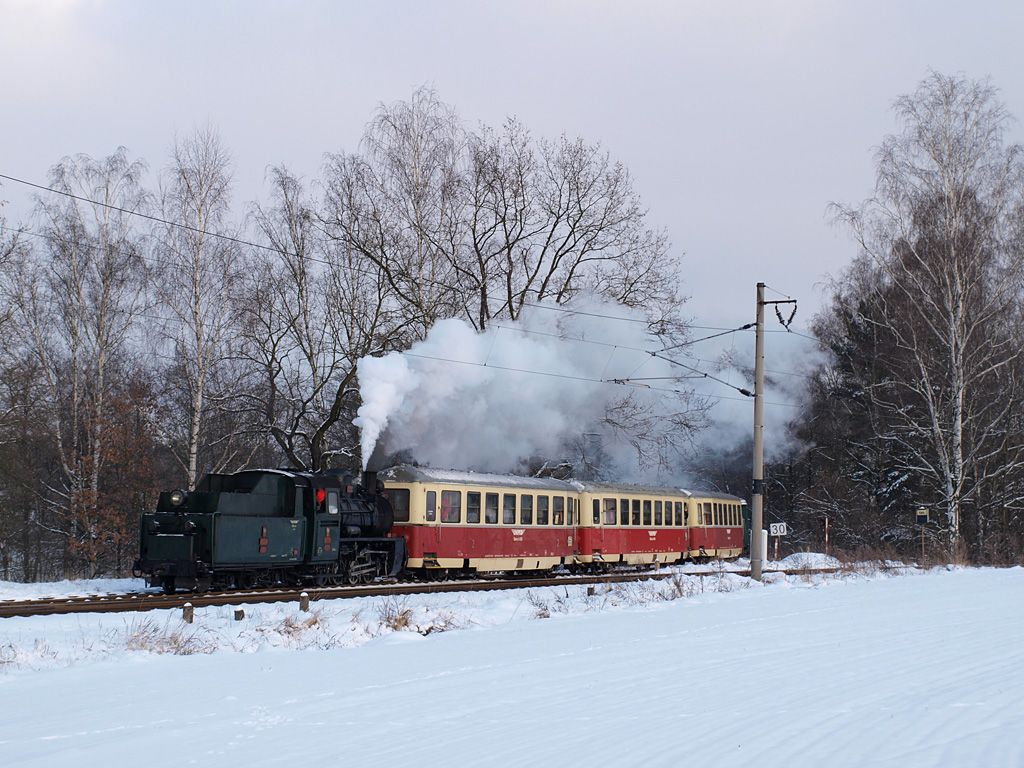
x,y
352,577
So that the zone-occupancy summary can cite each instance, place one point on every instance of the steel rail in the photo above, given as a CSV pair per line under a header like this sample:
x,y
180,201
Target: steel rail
x,y
143,601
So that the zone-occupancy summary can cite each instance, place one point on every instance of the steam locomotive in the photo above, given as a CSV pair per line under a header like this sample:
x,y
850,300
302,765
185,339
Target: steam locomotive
x,y
261,527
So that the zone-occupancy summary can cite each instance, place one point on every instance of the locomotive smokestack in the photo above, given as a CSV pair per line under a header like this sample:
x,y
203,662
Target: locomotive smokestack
x,y
377,458
370,481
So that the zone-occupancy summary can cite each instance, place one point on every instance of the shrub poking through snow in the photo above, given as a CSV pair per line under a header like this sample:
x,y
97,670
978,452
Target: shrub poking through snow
x,y
147,635
395,613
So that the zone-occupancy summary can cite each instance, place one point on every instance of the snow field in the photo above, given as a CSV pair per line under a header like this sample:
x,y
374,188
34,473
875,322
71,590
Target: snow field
x,y
916,670
37,643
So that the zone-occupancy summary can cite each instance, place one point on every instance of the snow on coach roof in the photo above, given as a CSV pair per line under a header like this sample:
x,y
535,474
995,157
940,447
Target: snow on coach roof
x,y
406,473
589,486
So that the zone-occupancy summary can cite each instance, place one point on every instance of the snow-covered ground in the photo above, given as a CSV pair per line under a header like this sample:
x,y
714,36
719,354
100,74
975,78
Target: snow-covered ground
x,y
882,670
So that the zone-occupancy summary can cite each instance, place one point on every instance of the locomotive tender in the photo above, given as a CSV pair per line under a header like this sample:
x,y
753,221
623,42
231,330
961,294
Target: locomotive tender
x,y
267,526
261,527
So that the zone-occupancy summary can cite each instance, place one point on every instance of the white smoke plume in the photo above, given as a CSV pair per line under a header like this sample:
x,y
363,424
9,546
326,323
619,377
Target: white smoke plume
x,y
789,359
462,399
490,401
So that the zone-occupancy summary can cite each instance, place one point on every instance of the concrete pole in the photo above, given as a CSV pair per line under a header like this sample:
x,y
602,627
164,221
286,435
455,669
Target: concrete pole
x,y
757,494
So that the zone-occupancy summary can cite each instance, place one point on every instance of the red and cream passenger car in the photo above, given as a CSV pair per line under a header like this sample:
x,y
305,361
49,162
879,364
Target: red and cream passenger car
x,y
632,524
639,524
487,522
717,526
482,522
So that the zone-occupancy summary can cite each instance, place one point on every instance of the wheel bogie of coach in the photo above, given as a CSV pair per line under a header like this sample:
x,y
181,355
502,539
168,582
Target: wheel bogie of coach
x,y
482,523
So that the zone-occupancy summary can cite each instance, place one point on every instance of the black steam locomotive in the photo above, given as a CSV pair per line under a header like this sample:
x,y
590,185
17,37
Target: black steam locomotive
x,y
267,526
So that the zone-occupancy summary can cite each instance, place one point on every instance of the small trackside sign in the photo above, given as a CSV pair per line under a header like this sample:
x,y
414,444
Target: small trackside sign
x,y
777,529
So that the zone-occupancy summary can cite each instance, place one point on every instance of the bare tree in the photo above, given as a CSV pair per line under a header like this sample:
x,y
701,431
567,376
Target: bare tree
x,y
944,290
12,249
311,310
74,304
481,224
195,267
396,206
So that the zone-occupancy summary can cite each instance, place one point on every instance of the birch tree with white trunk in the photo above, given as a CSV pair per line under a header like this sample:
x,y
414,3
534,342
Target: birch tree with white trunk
x,y
75,302
197,271
939,235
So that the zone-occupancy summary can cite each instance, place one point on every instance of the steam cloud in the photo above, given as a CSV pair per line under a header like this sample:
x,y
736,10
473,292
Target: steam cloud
x,y
462,399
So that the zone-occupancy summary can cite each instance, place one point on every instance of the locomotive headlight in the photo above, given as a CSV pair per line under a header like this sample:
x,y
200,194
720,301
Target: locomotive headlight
x,y
177,497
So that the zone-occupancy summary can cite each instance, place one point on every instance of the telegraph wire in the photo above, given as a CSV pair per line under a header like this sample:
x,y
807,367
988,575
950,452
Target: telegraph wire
x,y
616,382
697,372
712,336
282,252
313,259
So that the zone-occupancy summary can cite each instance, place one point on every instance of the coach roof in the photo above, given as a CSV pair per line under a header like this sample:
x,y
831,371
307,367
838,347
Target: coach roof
x,y
406,473
588,486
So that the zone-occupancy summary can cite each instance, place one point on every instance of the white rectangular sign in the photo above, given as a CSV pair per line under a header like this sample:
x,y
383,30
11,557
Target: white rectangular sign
x,y
777,529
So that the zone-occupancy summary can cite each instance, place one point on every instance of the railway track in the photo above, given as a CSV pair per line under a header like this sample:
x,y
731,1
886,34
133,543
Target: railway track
x,y
149,601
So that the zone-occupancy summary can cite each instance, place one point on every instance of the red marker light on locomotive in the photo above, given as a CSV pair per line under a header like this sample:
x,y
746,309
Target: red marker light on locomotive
x,y
321,496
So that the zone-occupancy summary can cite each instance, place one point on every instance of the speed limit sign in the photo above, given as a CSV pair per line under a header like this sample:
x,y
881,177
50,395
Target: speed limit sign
x,y
777,529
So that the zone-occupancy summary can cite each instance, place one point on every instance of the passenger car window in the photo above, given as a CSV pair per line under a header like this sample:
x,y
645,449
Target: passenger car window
x,y
679,513
508,514
647,512
597,511
526,509
609,511
623,511
636,512
473,507
399,498
542,510
657,512
451,506
431,505
558,510
491,509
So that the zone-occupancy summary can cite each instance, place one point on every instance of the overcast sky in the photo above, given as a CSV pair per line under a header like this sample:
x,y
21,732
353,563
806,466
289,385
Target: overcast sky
x,y
739,120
